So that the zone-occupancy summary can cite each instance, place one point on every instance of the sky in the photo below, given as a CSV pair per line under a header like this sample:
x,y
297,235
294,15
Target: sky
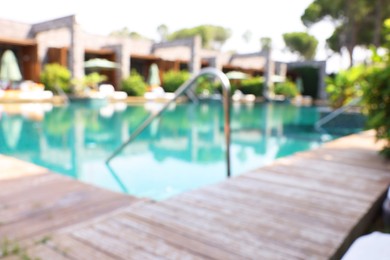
x,y
262,18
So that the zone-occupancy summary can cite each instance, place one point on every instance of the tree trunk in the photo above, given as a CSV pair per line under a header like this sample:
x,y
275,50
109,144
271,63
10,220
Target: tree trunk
x,y
378,23
351,31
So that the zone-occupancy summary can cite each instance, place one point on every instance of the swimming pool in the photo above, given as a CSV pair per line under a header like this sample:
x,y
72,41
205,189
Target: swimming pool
x,y
182,150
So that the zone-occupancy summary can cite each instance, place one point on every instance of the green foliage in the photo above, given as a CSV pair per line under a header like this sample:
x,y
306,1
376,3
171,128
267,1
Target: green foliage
x,y
302,43
93,79
346,85
88,82
172,80
55,75
358,22
334,42
312,14
377,103
125,32
213,37
134,85
288,89
204,84
252,86
376,95
321,9
373,84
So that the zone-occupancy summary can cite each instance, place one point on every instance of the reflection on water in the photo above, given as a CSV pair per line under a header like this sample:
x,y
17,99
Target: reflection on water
x,y
181,150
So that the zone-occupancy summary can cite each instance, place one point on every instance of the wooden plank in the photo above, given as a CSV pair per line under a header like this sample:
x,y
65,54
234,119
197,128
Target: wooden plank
x,y
247,228
295,195
76,249
363,140
322,226
36,204
152,244
59,194
362,158
176,237
268,227
335,167
271,204
110,245
9,187
287,179
217,238
42,197
11,168
311,162
42,251
50,220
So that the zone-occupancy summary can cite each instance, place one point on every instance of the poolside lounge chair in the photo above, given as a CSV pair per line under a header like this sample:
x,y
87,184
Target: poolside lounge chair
x,y
371,246
108,90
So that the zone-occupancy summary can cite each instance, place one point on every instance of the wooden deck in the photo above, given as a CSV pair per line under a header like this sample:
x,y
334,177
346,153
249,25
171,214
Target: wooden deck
x,y
310,205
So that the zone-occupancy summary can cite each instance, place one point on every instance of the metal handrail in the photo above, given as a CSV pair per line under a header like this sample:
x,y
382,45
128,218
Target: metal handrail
x,y
186,88
62,93
335,113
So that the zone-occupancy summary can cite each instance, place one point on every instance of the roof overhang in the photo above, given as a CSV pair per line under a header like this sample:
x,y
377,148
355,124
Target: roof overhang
x,y
145,57
18,42
100,51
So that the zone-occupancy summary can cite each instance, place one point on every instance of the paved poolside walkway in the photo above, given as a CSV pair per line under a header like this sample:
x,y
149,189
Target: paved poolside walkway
x,y
310,205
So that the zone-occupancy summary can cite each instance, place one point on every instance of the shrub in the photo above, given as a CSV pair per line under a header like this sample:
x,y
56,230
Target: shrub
x,y
377,103
376,94
288,89
88,82
93,79
207,84
346,85
134,85
250,86
172,80
54,75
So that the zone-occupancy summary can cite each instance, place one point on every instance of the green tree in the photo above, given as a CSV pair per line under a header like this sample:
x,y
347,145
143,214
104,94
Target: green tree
x,y
125,32
301,43
357,22
213,37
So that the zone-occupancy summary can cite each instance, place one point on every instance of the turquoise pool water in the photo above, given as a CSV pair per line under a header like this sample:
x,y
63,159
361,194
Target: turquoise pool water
x,y
182,150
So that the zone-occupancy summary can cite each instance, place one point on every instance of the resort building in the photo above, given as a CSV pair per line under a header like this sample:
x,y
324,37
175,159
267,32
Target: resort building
x,y
63,41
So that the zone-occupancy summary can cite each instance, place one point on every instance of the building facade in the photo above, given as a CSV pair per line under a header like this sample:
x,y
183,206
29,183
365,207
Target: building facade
x,y
63,41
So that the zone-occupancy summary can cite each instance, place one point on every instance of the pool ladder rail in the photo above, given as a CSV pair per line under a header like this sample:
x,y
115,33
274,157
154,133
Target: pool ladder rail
x,y
318,125
187,88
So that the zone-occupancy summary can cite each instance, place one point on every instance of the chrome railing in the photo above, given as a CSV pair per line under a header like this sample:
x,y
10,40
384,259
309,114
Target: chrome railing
x,y
318,125
186,88
62,94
